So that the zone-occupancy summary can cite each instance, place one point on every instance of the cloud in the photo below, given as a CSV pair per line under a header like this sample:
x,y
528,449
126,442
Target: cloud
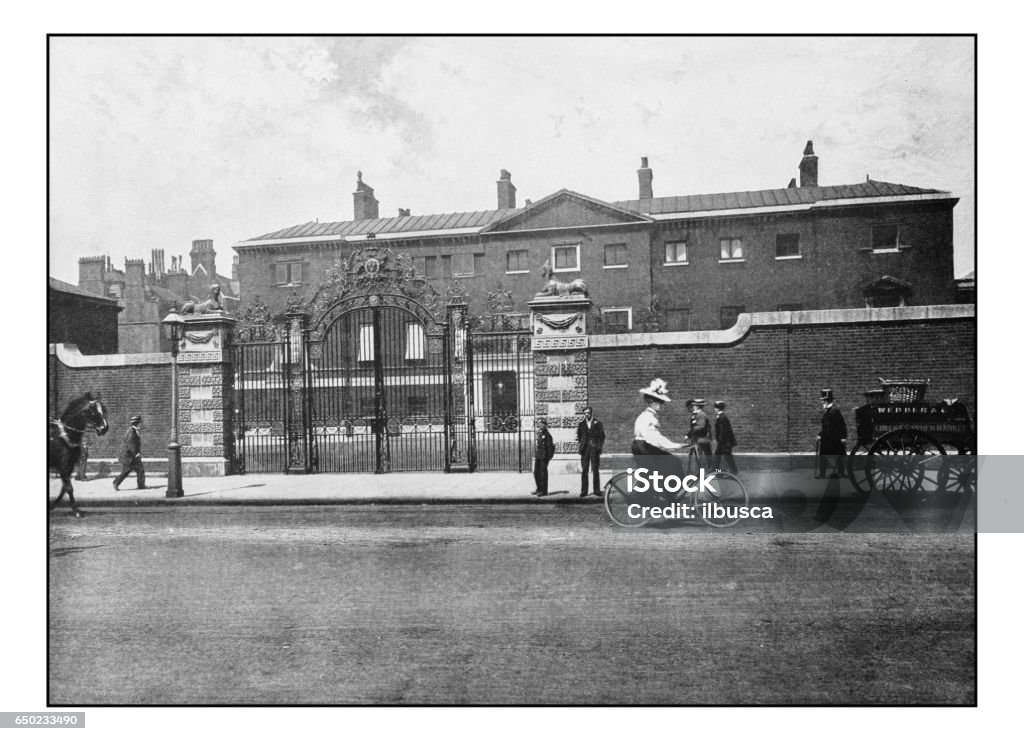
x,y
156,141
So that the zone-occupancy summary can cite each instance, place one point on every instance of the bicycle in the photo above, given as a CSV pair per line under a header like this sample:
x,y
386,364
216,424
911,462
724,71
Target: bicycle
x,y
718,508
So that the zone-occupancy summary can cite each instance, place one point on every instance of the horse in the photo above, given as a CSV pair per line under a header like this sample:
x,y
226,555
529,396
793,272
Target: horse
x,y
64,444
558,288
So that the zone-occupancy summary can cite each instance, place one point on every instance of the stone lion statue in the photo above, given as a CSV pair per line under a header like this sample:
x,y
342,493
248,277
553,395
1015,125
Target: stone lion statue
x,y
558,288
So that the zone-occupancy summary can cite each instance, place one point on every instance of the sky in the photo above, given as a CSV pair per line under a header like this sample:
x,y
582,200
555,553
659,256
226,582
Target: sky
x,y
155,142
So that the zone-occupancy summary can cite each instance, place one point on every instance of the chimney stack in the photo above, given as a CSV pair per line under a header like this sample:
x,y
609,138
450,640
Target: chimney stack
x,y
809,167
365,206
157,257
646,177
506,191
404,212
202,253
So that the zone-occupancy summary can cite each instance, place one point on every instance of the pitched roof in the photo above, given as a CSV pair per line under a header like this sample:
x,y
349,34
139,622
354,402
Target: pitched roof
x,y
59,285
773,197
472,219
475,221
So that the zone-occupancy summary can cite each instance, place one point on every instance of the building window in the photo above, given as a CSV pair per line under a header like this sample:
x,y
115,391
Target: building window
x,y
465,264
365,343
677,320
517,261
617,320
787,246
565,258
730,314
889,238
615,256
415,341
426,266
675,253
790,307
288,273
732,248
114,290
446,266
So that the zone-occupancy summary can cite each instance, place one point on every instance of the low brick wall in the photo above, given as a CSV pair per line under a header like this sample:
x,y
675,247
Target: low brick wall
x,y
771,367
128,384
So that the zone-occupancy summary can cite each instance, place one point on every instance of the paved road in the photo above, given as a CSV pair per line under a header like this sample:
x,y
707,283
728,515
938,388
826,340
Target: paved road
x,y
498,604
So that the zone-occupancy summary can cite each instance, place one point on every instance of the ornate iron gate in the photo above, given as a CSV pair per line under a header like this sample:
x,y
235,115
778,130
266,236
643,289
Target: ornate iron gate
x,y
376,373
261,361
378,383
503,395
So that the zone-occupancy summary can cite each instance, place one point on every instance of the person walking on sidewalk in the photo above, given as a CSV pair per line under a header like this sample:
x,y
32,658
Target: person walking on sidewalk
x,y
725,439
832,438
543,452
590,436
131,455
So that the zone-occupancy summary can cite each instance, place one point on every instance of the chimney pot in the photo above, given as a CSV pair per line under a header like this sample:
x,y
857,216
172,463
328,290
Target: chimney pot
x,y
809,167
404,212
506,191
645,175
364,204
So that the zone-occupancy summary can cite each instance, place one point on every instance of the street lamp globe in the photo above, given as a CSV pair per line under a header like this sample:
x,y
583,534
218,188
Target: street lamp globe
x,y
173,325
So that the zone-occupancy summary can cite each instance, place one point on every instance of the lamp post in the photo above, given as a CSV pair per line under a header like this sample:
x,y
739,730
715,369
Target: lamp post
x,y
174,327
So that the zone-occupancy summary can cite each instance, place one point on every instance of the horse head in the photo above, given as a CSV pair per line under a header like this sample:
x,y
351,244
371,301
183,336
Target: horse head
x,y
97,416
87,411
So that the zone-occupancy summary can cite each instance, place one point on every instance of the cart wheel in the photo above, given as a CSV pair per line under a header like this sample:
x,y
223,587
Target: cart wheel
x,y
730,494
961,475
617,500
906,460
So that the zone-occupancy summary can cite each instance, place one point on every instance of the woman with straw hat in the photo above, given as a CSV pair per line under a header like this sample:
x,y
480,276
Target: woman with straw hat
x,y
650,447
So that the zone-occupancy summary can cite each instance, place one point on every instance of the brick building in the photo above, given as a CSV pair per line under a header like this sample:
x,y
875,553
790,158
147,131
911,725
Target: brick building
x,y
674,263
78,317
147,293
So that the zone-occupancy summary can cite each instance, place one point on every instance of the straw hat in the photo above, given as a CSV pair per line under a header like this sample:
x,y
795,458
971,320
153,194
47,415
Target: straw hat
x,y
657,390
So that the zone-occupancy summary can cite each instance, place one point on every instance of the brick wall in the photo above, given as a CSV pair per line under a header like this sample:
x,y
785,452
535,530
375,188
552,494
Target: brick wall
x,y
126,390
834,266
771,378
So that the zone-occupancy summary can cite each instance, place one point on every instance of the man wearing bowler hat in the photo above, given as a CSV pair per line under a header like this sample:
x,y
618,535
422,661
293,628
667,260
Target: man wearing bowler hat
x,y
725,439
131,455
832,438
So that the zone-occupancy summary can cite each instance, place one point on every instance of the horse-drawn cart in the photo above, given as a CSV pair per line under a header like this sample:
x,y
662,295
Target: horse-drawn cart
x,y
906,440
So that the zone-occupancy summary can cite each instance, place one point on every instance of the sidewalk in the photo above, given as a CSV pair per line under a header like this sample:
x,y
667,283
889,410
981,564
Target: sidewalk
x,y
396,488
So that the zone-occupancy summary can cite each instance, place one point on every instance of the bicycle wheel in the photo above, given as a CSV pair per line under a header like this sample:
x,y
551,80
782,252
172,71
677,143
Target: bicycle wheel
x,y
617,501
721,508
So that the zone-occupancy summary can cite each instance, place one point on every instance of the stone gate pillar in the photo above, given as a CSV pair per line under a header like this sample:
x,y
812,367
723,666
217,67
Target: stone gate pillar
x,y
205,389
297,421
560,347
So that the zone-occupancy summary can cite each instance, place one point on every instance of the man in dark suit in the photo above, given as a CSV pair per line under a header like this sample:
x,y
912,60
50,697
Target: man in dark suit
x,y
590,437
131,455
832,438
725,440
700,428
543,452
